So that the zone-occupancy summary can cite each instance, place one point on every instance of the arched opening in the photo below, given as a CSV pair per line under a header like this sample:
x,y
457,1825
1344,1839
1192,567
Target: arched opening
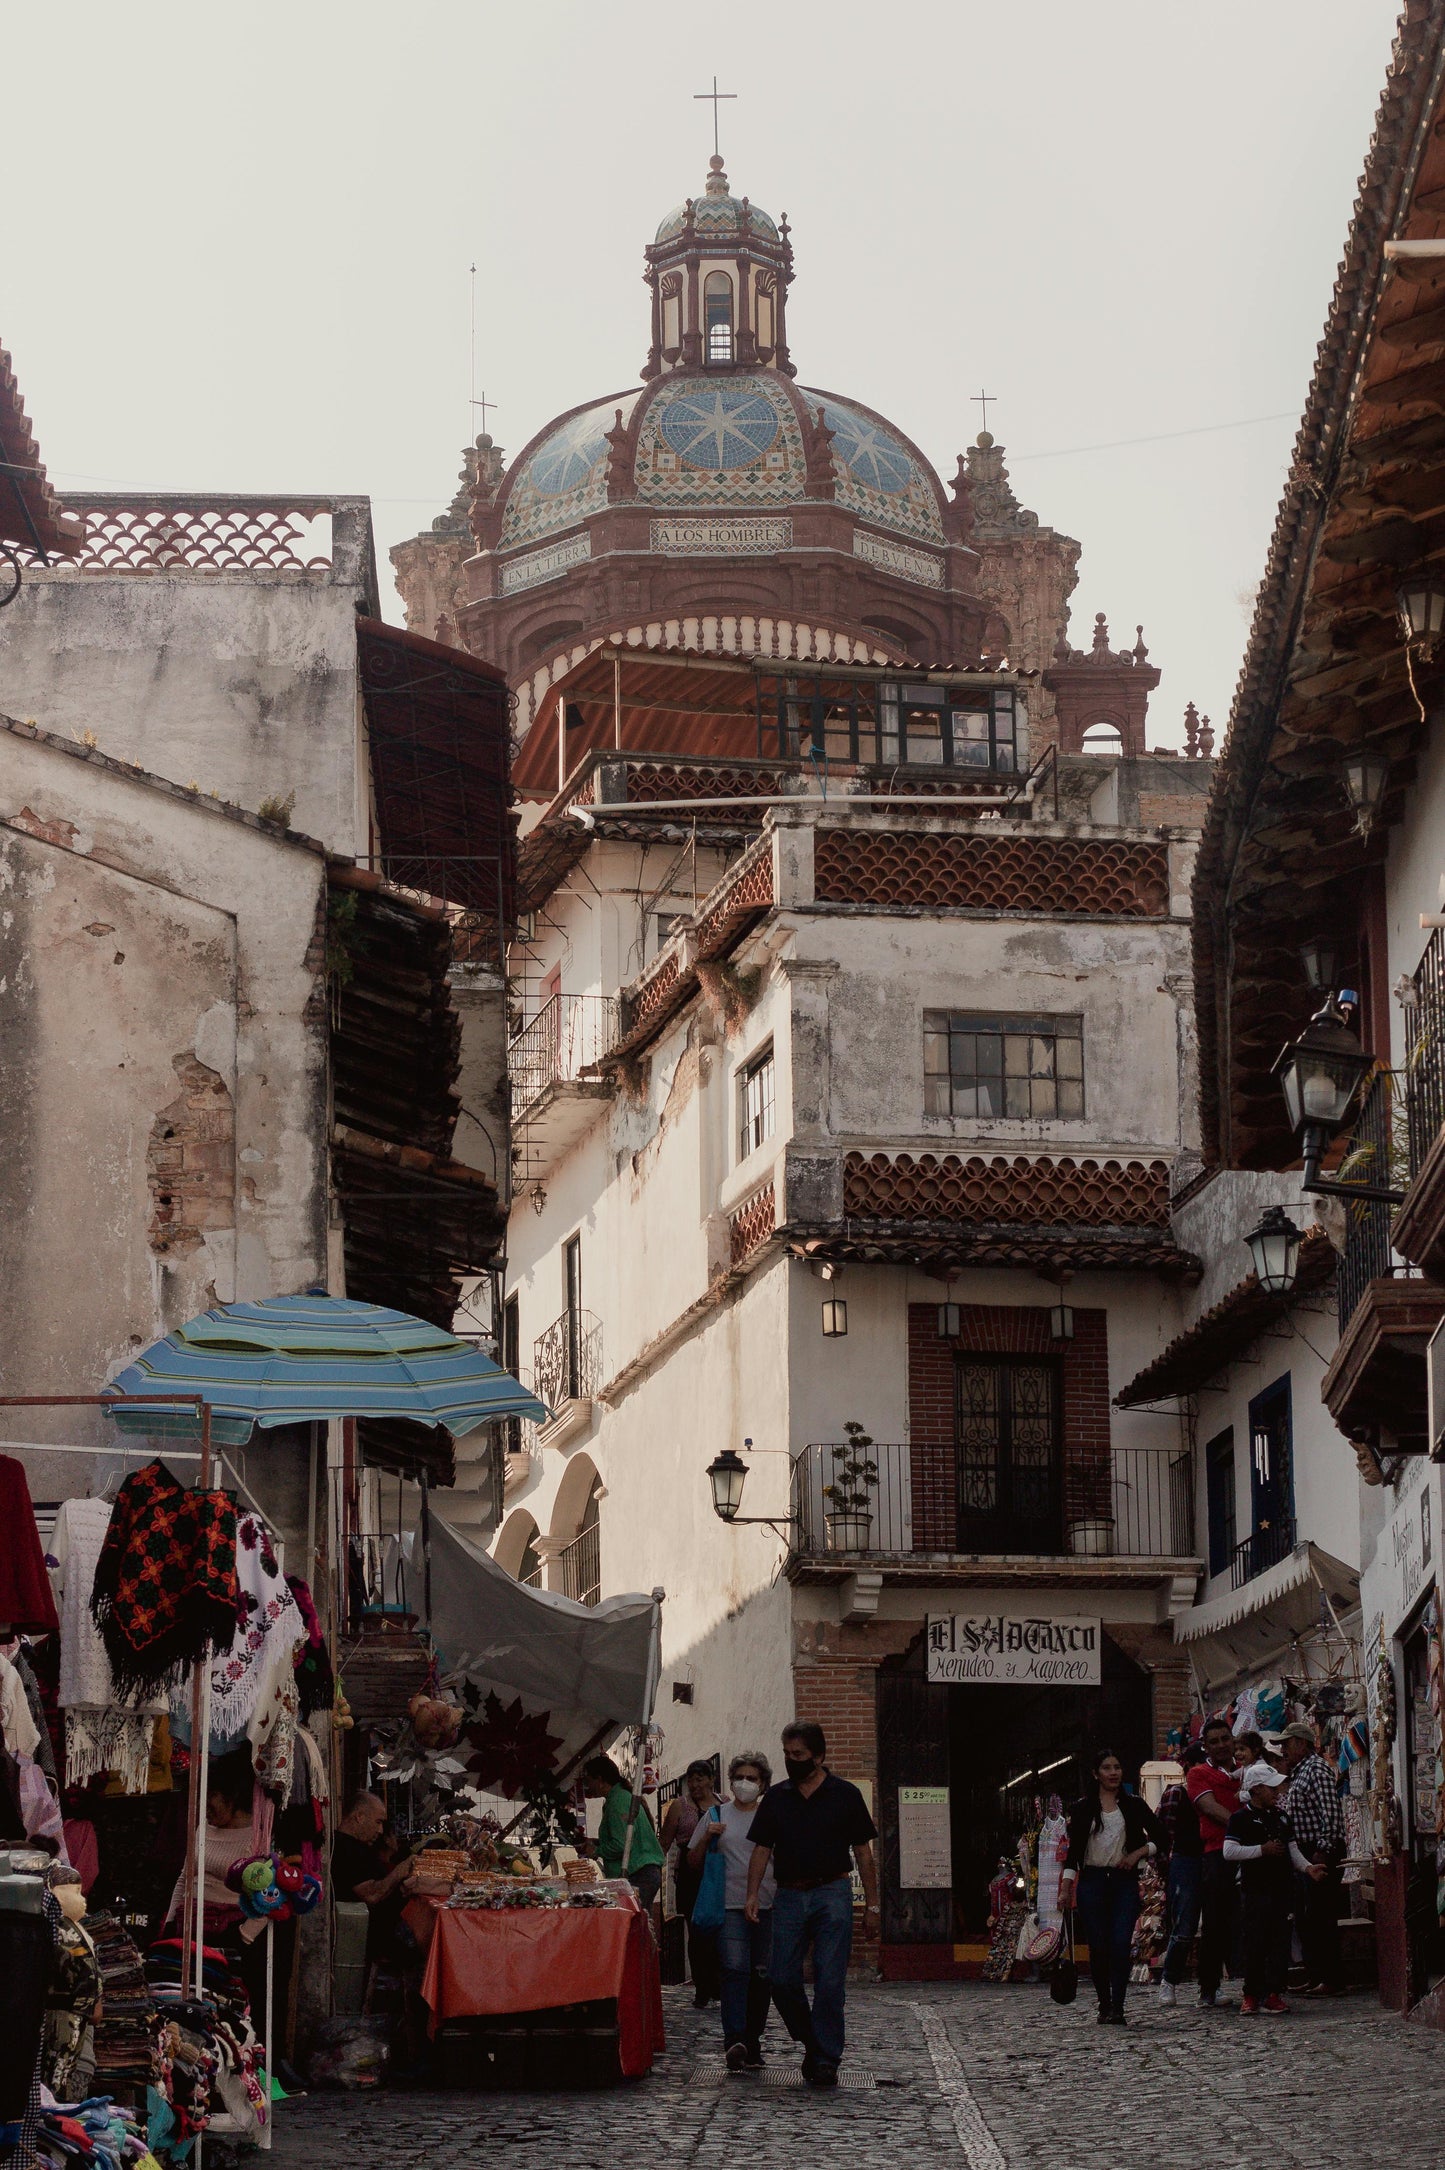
x,y
717,304
548,638
577,1560
1103,738
516,1548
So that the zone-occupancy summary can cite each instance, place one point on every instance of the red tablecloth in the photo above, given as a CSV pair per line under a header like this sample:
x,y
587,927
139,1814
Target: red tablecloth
x,y
527,1959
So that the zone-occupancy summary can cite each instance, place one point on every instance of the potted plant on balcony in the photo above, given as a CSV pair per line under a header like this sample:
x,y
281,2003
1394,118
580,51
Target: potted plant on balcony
x,y
850,1496
1091,1514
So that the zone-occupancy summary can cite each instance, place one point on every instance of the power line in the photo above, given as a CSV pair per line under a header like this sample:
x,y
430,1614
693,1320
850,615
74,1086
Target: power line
x,y
1117,444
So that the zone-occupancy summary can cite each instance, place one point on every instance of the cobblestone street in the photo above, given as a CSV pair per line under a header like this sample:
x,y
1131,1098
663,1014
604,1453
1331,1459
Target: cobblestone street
x,y
995,2079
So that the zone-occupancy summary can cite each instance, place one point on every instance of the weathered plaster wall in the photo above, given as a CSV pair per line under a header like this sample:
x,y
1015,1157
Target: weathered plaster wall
x,y
163,1093
244,686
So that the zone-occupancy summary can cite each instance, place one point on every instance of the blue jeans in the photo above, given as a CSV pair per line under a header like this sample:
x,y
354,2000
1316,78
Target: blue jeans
x,y
744,1949
1185,1879
822,1918
1108,1904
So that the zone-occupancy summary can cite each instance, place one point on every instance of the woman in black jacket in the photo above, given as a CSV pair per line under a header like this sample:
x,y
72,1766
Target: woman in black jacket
x,y
1110,1833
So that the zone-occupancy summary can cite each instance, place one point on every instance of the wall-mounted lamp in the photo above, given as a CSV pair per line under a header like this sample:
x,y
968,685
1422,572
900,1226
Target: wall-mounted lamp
x,y
835,1317
1366,777
539,1199
1274,1245
727,1475
1421,604
1319,1075
1320,962
950,1321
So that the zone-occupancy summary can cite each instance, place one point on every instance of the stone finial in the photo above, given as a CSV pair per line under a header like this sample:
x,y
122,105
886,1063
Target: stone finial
x,y
1191,732
717,180
620,481
960,517
1206,738
820,473
1141,653
1063,653
997,512
1102,650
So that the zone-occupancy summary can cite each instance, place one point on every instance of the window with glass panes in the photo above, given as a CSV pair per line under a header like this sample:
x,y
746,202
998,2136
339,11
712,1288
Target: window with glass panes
x,y
755,1103
999,1064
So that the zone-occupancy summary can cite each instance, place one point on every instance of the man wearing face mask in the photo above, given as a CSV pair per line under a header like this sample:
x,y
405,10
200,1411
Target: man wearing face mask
x,y
806,1829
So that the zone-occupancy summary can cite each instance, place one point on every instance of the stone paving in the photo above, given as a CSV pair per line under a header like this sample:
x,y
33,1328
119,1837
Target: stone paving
x,y
984,2078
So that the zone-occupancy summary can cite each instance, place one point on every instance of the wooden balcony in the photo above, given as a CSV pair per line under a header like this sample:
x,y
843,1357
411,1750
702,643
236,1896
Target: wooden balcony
x,y
1377,1375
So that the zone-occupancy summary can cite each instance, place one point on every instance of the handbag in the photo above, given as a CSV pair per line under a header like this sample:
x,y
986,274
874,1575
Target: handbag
x,y
1064,1981
709,1908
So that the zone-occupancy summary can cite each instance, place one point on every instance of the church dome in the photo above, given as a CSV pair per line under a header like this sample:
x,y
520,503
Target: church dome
x,y
716,214
721,442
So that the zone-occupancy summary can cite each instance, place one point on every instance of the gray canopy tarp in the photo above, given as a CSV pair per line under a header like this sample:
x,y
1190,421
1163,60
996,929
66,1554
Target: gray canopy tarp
x,y
593,1669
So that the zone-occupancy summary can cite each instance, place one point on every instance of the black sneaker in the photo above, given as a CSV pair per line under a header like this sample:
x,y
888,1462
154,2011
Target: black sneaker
x,y
822,2074
735,2056
753,2054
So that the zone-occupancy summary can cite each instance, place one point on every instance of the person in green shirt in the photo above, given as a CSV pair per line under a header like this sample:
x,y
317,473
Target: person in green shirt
x,y
602,1781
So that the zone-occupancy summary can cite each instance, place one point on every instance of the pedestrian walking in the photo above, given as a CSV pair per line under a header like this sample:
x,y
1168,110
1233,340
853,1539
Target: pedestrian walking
x,y
1110,1833
1179,1821
1317,1817
743,1946
695,1804
1213,1787
602,1780
1259,1843
807,1828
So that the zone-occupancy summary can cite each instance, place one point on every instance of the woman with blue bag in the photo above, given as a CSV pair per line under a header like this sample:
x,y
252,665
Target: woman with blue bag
x,y
722,1848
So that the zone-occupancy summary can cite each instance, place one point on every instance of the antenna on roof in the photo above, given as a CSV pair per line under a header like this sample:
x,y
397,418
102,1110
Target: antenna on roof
x,y
472,401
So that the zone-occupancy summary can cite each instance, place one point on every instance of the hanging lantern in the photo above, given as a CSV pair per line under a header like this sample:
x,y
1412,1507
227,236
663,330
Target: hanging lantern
x,y
1320,963
1318,1072
950,1321
835,1317
1061,1320
1366,777
1274,1245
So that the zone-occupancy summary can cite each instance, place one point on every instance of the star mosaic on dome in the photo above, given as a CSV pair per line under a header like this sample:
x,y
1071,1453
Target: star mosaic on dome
x,y
719,427
569,455
867,450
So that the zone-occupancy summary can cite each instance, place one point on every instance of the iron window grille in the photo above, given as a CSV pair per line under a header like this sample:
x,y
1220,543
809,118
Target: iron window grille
x,y
1009,1454
756,1103
1003,1065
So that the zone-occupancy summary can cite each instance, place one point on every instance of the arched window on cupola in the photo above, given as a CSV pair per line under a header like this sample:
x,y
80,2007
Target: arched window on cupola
x,y
717,303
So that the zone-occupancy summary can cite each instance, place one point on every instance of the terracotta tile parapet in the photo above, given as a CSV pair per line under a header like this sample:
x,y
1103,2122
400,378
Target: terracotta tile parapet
x,y
1019,873
1015,1189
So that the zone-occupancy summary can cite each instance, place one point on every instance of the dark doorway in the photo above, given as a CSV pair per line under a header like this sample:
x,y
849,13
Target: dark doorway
x,y
995,1749
1010,1464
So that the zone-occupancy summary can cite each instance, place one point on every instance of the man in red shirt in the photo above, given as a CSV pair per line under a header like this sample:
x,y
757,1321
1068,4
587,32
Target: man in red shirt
x,y
1213,1787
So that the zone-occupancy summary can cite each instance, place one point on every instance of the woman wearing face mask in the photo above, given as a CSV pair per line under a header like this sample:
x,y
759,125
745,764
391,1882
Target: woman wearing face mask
x,y
743,1947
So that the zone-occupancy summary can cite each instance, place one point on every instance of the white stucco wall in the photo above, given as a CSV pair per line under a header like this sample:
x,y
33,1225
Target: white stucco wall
x,y
1415,871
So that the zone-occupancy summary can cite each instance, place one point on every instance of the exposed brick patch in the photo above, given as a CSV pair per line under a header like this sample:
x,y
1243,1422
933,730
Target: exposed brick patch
x,y
190,1162
1005,1330
49,832
1014,1190
1001,874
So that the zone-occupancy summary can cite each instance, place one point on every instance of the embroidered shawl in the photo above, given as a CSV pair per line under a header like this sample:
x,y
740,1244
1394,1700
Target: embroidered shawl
x,y
267,1622
165,1583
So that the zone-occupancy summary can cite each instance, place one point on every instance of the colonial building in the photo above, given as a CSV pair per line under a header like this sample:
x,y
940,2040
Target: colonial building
x,y
853,1058
1314,1385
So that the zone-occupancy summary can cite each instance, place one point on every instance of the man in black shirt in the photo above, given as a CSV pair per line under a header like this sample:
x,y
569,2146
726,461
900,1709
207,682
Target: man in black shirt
x,y
808,1827
359,1870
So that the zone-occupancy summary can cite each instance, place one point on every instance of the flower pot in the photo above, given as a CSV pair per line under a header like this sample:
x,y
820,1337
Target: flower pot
x,y
850,1532
1092,1537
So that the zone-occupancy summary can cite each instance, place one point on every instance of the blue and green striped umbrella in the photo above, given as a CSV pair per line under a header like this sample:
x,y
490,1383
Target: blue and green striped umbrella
x,y
302,1359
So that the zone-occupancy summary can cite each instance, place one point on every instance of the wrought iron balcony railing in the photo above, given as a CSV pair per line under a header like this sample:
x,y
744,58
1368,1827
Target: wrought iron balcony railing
x,y
567,1036
1149,1512
1425,1053
567,1359
1377,1153
581,1565
1264,1547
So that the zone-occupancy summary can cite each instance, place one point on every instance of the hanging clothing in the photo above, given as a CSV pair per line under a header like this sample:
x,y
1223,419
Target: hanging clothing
x,y
165,1584
1053,1845
22,1735
101,1733
43,1752
315,1681
27,1601
267,1620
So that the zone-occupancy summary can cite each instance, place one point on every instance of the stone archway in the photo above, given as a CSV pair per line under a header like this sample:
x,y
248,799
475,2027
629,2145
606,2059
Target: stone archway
x,y
573,1544
516,1542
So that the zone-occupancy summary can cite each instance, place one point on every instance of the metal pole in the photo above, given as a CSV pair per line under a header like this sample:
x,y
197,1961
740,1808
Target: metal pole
x,y
266,2134
201,1746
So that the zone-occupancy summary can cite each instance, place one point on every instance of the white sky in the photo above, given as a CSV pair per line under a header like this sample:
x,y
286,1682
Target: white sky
x,y
237,245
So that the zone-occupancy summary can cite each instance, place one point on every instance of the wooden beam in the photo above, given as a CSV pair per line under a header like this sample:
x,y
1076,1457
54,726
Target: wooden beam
x,y
1425,386
1420,330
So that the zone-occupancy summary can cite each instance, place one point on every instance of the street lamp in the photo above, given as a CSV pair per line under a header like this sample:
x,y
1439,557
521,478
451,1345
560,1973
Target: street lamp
x,y
1319,1074
1319,960
1421,604
1366,776
727,1476
1274,1246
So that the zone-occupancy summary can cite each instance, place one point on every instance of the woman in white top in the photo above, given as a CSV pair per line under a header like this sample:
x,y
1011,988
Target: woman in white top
x,y
744,1947
1110,1833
